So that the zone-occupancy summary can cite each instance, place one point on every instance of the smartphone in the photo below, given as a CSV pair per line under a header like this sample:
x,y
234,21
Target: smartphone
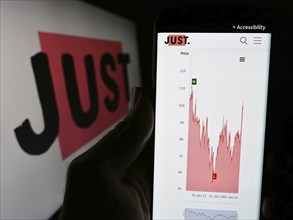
x,y
211,86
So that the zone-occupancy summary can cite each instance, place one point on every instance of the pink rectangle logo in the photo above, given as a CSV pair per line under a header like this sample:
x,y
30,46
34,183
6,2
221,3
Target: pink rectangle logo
x,y
90,86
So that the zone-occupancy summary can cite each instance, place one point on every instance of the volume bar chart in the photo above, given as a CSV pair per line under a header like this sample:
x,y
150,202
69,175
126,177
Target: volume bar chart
x,y
212,168
202,214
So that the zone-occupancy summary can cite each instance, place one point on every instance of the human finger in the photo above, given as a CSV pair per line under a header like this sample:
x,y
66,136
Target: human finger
x,y
103,177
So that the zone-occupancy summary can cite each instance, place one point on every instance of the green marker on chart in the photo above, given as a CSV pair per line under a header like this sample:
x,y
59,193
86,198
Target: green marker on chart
x,y
194,81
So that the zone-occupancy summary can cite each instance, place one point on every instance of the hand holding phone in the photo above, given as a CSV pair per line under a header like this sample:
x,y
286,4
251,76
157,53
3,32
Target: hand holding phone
x,y
211,59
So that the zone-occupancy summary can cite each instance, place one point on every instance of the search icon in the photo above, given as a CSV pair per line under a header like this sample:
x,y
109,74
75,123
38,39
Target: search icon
x,y
243,40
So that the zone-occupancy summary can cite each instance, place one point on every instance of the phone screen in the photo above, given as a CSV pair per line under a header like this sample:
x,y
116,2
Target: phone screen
x,y
210,114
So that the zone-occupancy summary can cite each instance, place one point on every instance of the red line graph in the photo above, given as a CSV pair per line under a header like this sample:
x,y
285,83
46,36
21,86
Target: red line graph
x,y
208,170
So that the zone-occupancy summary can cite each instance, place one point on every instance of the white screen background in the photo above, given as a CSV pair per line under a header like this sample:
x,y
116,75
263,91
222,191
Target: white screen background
x,y
224,84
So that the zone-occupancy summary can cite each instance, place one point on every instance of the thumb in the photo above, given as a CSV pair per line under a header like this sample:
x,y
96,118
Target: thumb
x,y
98,184
127,139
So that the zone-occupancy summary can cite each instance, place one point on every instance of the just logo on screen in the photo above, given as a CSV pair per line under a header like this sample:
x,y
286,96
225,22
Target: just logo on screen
x,y
176,40
83,89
